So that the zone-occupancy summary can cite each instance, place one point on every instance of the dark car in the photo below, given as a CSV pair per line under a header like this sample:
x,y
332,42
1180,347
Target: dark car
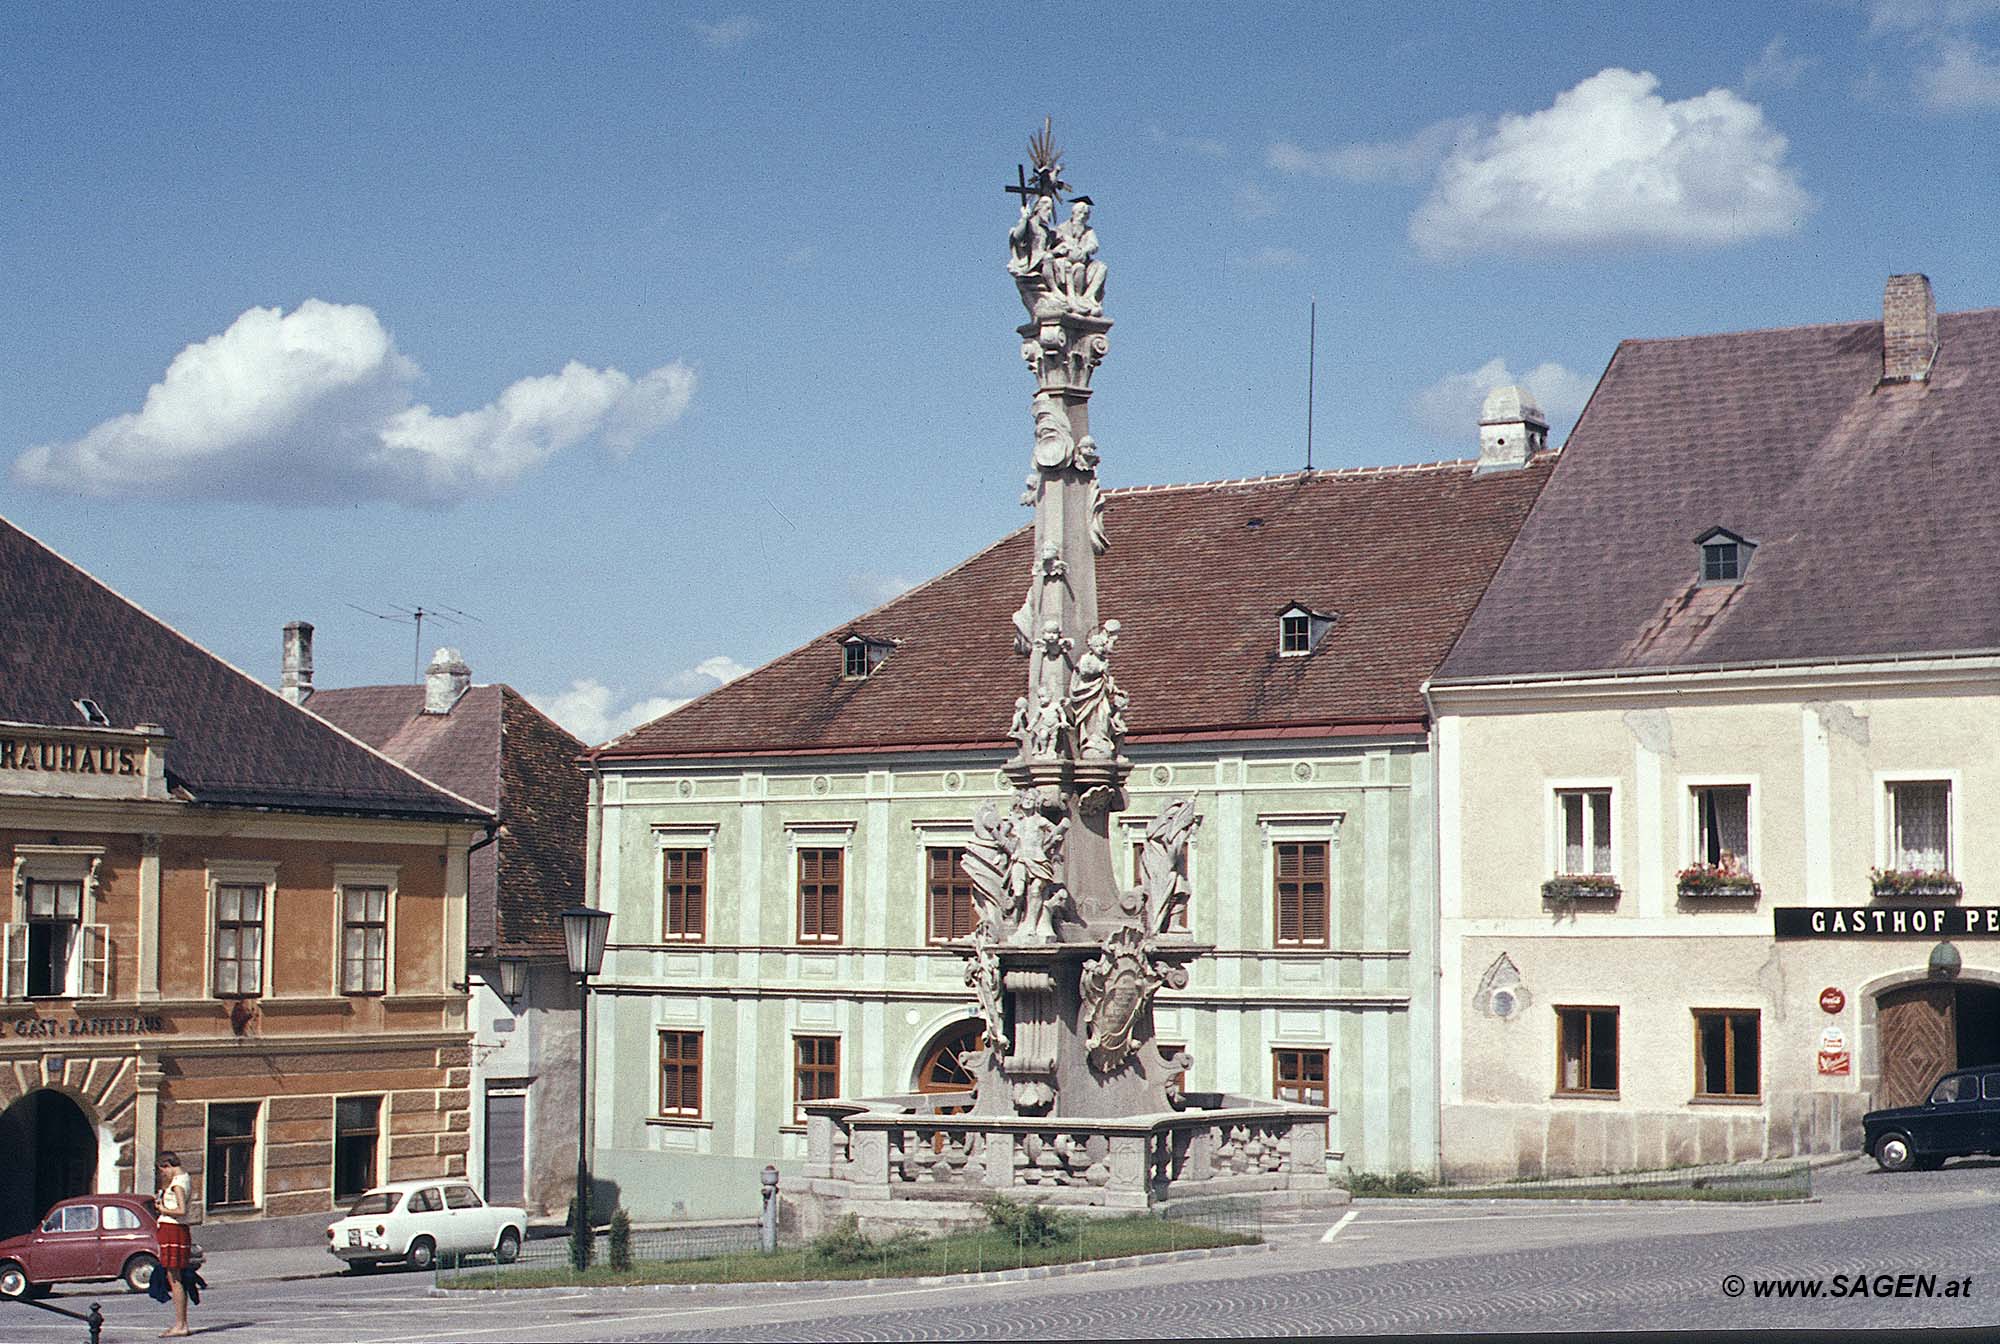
x,y
89,1237
1960,1117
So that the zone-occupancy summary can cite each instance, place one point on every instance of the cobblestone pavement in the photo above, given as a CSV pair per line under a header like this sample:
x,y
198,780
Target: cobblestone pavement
x,y
1396,1266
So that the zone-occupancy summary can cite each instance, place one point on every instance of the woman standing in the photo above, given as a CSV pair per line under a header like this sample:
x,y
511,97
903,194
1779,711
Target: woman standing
x,y
175,1194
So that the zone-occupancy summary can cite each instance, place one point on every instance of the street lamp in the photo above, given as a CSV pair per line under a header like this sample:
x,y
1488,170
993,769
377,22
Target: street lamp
x,y
584,931
513,979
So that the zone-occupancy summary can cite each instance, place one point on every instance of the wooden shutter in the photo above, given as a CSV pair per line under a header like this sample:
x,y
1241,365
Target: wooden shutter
x,y
17,961
94,962
1301,880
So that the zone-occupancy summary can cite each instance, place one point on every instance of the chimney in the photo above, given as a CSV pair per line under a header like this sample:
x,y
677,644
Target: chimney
x,y
1909,329
1512,429
445,680
295,682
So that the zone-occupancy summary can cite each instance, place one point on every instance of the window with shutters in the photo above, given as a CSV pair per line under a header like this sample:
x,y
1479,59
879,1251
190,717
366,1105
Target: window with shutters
x,y
680,1074
948,894
815,1072
820,894
232,1154
1587,1050
1301,871
54,953
364,940
684,895
239,940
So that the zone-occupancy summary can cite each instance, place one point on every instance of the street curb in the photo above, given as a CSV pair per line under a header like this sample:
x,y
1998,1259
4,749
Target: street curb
x,y
1520,1203
933,1280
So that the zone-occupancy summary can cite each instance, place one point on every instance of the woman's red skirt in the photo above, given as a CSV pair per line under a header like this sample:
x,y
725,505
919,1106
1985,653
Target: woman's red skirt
x,y
174,1243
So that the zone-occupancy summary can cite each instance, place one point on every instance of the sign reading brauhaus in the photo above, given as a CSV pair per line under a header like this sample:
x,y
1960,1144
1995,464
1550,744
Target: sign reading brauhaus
x,y
1902,921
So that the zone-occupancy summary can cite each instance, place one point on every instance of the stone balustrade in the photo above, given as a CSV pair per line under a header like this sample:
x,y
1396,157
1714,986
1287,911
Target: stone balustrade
x,y
923,1147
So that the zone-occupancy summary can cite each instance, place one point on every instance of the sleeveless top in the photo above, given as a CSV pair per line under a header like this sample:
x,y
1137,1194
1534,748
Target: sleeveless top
x,y
173,1200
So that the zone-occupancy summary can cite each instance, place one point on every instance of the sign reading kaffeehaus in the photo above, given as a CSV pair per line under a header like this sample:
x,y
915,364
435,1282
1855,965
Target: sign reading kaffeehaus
x,y
62,762
1896,921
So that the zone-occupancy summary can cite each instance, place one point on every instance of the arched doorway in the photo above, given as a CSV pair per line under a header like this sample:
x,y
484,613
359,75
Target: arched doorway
x,y
1929,1029
939,1068
51,1154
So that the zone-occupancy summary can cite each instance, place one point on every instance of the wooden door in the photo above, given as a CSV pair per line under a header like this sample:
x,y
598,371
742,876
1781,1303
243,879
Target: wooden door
x,y
1918,1036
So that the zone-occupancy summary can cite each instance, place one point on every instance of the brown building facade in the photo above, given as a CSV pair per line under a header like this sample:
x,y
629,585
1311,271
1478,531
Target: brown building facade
x,y
231,930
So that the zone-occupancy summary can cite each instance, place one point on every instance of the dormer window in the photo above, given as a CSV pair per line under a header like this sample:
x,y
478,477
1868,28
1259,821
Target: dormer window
x,y
87,709
1300,630
860,655
1724,556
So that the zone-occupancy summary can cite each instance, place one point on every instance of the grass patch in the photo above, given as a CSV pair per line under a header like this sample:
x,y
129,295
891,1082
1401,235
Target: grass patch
x,y
904,1256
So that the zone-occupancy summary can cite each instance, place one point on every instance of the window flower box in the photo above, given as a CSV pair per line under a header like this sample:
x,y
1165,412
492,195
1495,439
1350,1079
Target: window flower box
x,y
1715,879
1567,887
1935,884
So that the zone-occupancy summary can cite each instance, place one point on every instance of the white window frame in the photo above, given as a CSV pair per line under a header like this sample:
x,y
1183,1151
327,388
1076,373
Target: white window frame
x,y
82,864
678,835
818,835
1288,828
345,875
240,873
1885,814
1554,849
1690,846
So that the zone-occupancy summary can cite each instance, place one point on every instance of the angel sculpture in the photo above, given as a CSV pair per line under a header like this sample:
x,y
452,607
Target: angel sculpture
x,y
1163,863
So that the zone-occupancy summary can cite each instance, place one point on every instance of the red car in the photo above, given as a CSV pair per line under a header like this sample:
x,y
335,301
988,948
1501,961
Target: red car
x,y
89,1237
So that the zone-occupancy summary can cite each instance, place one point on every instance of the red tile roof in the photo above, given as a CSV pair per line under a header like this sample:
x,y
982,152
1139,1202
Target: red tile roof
x,y
1196,575
499,750
1875,509
66,636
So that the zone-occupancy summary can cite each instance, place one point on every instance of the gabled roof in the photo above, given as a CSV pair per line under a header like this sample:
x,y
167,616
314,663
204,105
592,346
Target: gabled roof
x,y
1876,508
497,749
1193,575
65,635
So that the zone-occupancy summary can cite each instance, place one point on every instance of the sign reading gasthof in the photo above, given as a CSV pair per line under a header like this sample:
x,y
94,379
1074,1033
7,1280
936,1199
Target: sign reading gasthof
x,y
1899,921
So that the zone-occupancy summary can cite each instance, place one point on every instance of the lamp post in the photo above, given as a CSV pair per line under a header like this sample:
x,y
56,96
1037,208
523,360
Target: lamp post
x,y
584,931
513,979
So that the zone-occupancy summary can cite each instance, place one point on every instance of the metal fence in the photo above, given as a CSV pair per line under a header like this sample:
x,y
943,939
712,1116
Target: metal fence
x,y
694,1241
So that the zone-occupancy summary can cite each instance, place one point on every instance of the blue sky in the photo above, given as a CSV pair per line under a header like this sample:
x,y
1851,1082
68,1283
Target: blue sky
x,y
662,338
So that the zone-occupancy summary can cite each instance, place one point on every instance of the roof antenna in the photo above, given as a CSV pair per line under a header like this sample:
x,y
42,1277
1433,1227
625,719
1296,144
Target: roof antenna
x,y
1312,342
417,616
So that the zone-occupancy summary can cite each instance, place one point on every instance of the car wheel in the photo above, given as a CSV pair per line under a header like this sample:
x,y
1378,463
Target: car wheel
x,y
1893,1152
509,1249
14,1280
423,1253
138,1272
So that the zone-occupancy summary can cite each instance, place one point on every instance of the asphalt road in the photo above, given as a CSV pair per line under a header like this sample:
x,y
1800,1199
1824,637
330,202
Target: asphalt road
x,y
1397,1267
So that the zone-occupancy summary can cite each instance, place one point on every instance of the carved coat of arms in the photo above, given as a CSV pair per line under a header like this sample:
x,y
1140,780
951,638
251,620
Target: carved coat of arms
x,y
1117,988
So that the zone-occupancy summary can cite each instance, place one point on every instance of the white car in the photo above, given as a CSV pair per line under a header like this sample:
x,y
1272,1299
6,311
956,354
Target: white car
x,y
417,1221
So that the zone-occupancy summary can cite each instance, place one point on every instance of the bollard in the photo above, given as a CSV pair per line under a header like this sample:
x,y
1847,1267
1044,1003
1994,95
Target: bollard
x,y
96,1323
767,1222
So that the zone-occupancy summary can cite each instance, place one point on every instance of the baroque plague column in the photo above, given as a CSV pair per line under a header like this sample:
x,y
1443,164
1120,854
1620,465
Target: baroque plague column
x,y
1072,1098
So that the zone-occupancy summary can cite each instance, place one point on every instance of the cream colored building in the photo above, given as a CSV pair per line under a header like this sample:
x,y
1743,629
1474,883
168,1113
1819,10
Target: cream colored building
x,y
1717,754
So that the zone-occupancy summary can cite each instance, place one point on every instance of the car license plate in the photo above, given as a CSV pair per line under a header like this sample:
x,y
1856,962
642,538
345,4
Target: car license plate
x,y
353,1236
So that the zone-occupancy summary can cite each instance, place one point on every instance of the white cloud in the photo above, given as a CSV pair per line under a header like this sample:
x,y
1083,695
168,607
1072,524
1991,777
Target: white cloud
x,y
317,406
726,33
1964,78
1614,164
1410,159
596,713
1449,408
1254,202
1775,67
1927,18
